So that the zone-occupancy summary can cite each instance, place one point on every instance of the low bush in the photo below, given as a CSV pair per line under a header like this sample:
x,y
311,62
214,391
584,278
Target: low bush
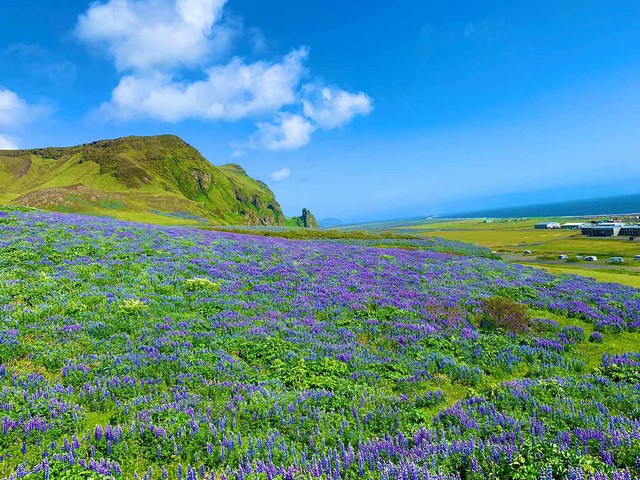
x,y
506,313
544,325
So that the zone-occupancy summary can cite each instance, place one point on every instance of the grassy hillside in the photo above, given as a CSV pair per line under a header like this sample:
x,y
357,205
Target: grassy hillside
x,y
160,179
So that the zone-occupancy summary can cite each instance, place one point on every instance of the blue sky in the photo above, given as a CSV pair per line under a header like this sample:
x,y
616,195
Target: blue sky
x,y
359,110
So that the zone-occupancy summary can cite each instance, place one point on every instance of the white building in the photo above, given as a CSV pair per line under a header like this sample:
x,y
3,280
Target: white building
x,y
547,225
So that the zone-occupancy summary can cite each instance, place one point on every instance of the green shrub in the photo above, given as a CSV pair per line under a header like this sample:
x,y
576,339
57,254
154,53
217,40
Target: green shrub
x,y
621,373
194,284
132,305
521,293
506,313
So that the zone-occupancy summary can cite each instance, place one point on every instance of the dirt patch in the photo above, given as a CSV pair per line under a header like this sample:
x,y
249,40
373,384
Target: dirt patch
x,y
24,169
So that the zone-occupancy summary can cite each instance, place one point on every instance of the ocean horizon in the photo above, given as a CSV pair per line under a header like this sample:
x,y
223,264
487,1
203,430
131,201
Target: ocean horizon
x,y
622,205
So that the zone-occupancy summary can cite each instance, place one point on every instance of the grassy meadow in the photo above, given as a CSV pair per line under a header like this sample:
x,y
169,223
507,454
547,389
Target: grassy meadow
x,y
510,237
133,351
629,277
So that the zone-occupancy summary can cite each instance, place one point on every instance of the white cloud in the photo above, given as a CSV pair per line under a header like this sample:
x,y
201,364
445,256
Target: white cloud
x,y
15,113
13,110
230,92
165,50
148,34
331,108
288,132
281,174
322,108
8,143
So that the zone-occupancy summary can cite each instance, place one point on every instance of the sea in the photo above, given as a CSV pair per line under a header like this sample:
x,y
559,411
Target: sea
x,y
628,204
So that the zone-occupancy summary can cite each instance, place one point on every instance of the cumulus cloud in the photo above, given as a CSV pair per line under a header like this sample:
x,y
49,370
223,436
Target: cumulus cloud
x,y
281,174
165,51
288,132
230,92
147,34
331,108
15,113
8,143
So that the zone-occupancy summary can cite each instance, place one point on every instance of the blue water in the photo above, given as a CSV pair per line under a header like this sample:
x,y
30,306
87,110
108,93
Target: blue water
x,y
601,206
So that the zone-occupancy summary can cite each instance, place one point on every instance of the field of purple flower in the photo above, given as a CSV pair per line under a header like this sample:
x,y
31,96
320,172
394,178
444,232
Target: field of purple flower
x,y
134,351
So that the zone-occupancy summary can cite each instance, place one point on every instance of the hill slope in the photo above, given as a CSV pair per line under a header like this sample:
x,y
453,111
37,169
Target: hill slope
x,y
160,179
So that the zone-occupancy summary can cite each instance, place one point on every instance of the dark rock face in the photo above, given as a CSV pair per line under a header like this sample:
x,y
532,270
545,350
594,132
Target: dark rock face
x,y
259,210
308,220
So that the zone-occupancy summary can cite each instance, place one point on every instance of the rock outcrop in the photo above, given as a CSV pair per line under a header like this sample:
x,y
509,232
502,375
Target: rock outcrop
x,y
306,220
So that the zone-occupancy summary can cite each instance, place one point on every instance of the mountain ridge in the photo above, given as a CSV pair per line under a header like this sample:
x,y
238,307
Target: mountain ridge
x,y
159,178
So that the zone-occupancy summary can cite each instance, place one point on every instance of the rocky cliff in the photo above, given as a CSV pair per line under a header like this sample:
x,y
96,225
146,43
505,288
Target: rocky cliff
x,y
306,220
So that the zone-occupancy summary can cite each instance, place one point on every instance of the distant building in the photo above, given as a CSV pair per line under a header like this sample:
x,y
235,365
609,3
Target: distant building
x,y
630,231
547,225
574,226
602,230
610,224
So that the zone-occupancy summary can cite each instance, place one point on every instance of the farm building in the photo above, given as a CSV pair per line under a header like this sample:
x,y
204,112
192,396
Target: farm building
x,y
547,225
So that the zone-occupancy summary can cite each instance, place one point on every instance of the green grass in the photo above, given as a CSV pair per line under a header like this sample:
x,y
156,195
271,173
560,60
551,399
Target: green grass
x,y
582,245
509,239
150,217
297,233
512,236
506,234
625,277
591,353
477,224
290,222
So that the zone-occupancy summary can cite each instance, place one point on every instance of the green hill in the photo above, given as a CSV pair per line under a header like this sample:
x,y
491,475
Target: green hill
x,y
159,179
